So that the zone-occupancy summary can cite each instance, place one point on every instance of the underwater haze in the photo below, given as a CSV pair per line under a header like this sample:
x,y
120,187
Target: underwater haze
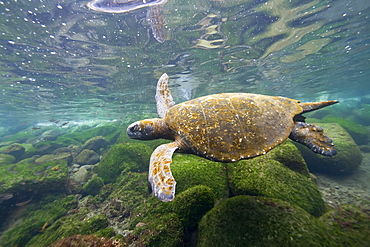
x,y
77,75
62,60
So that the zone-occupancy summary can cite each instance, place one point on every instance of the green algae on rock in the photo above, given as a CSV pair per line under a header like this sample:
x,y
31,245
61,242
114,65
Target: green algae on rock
x,y
6,159
347,159
36,177
260,221
359,133
165,230
14,149
348,225
80,223
262,177
96,143
93,186
289,155
36,220
190,170
87,157
134,156
192,204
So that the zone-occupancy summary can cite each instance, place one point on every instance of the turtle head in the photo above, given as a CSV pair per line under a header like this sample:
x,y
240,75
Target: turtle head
x,y
147,129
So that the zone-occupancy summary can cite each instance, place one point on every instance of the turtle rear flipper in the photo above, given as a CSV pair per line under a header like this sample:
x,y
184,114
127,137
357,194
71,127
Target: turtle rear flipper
x,y
313,137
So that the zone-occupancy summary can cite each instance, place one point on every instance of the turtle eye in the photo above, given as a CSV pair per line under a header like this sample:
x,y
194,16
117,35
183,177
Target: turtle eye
x,y
134,128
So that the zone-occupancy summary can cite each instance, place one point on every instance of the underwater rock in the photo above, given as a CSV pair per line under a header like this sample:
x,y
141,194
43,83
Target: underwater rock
x,y
87,157
164,230
289,155
348,225
363,114
192,204
88,240
260,221
262,177
14,149
26,176
46,147
190,170
134,156
359,133
51,157
93,186
344,162
81,176
50,135
36,221
95,143
6,159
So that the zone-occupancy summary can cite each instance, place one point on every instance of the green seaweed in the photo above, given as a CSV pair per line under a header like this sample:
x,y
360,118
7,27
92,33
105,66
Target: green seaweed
x,y
262,177
260,221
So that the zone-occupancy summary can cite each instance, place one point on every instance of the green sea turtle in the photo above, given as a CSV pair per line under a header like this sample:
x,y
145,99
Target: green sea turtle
x,y
154,14
224,127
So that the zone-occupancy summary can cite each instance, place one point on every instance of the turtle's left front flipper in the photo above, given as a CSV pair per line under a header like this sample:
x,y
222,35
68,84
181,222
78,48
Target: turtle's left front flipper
x,y
313,137
160,176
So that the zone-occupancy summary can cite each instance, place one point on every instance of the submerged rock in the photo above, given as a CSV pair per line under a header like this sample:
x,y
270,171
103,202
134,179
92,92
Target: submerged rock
x,y
87,157
81,176
359,133
344,162
26,176
50,135
262,177
93,186
134,156
348,225
192,204
190,170
260,221
51,157
96,143
14,149
6,159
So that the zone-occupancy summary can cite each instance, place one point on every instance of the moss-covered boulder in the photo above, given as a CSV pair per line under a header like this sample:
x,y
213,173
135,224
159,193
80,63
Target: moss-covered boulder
x,y
359,133
36,219
79,223
50,135
6,159
93,186
96,143
289,155
260,221
51,157
262,177
192,204
190,170
14,149
363,114
165,230
344,162
87,157
348,225
26,176
134,156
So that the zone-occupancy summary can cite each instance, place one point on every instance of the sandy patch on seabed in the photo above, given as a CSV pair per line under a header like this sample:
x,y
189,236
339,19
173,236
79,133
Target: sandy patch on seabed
x,y
354,188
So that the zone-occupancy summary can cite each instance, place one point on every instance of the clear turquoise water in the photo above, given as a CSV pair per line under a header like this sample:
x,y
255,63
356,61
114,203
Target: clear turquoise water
x,y
60,60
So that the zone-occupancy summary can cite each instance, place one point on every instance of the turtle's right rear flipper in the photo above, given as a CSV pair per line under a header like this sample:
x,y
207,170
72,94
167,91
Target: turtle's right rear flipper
x,y
313,137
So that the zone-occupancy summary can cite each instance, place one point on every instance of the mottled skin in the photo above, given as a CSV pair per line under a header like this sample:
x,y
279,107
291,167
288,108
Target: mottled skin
x,y
224,127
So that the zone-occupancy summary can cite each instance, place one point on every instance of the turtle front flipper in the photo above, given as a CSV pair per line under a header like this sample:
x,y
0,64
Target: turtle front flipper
x,y
313,137
163,96
160,176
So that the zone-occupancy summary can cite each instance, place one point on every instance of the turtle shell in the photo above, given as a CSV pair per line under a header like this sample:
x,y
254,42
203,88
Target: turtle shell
x,y
232,126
